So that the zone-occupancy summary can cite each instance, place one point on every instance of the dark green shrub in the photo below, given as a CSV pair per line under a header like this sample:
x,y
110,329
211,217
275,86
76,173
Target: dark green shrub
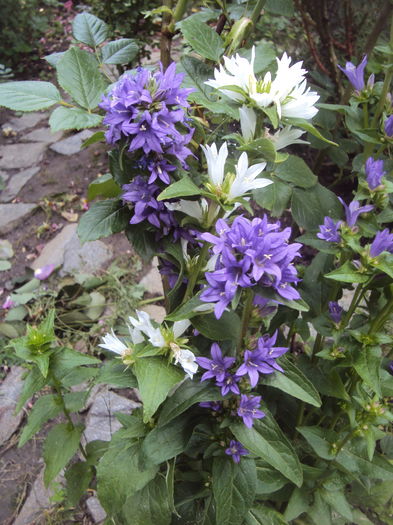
x,y
125,18
22,23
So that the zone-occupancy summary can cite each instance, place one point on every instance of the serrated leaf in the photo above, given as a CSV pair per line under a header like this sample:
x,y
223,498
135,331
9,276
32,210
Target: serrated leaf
x,y
60,446
89,29
78,478
120,51
149,506
203,39
367,364
103,219
189,393
45,408
320,201
266,440
182,188
274,197
233,488
103,186
262,146
223,329
119,467
73,118
54,58
117,375
294,383
78,74
263,515
33,382
316,438
29,95
155,379
347,273
296,171
165,442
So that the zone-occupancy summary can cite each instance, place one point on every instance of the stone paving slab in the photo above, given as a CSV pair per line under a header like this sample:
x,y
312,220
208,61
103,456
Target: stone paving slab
x,y
43,135
16,156
84,258
16,183
26,121
53,252
10,390
4,175
72,144
12,214
36,503
95,509
152,280
101,422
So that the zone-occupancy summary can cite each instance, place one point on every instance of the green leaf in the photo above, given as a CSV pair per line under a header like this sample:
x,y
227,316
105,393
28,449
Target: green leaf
x,y
378,468
119,475
165,442
66,359
4,265
116,375
142,240
149,506
189,309
45,408
33,382
203,39
73,118
54,58
263,147
121,51
78,74
223,329
367,364
264,515
28,95
269,480
197,72
274,197
155,379
319,510
304,124
89,29
298,503
60,445
337,500
316,438
280,7
320,201
347,273
182,188
98,136
294,382
189,393
233,488
78,478
266,440
103,219
75,401
296,171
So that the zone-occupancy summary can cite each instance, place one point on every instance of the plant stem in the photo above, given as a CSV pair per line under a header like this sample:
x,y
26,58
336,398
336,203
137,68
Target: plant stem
x,y
195,274
247,309
57,387
383,316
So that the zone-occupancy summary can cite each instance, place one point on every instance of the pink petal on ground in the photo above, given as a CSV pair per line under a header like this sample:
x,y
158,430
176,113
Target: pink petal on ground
x,y
44,272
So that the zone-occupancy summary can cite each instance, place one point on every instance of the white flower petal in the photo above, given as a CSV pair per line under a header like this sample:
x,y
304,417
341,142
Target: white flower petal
x,y
248,121
112,343
179,327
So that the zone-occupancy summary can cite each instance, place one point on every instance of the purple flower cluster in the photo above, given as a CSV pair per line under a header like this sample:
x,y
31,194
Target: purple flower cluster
x,y
145,108
262,360
374,172
250,252
236,450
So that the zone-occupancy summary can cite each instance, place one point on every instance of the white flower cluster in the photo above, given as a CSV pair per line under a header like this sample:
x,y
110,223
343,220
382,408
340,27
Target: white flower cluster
x,y
288,91
142,328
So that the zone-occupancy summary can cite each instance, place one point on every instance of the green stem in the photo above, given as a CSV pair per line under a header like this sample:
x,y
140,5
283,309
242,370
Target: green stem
x,y
193,278
383,316
355,301
57,387
179,11
257,11
152,300
365,115
247,309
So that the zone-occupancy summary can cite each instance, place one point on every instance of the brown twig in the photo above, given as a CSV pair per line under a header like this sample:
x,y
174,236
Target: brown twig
x,y
311,44
166,36
384,17
221,23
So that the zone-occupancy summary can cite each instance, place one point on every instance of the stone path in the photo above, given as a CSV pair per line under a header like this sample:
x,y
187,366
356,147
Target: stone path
x,y
22,164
